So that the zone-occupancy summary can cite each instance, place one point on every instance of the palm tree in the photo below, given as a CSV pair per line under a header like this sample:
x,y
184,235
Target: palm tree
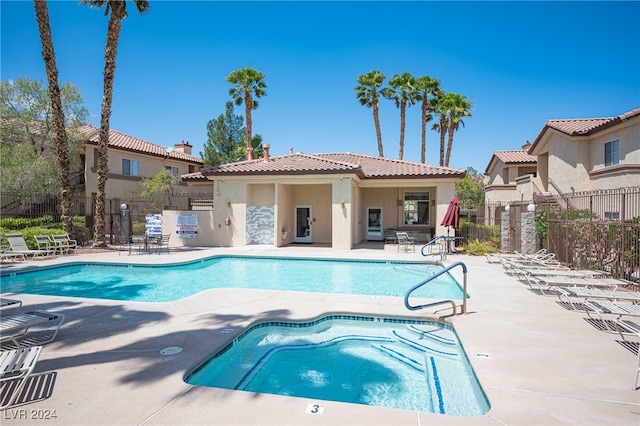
x,y
57,113
118,13
248,83
367,92
455,107
426,87
401,90
443,124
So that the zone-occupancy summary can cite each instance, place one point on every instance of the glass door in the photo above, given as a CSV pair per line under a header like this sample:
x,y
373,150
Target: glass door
x,y
302,232
374,224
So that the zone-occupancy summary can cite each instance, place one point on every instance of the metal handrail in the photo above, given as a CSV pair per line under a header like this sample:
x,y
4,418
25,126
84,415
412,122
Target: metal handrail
x,y
432,243
432,277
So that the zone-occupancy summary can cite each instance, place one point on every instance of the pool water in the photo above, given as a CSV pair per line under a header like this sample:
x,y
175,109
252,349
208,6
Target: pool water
x,y
396,363
161,283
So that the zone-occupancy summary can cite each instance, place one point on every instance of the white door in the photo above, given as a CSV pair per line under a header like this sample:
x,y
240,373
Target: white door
x,y
302,232
374,224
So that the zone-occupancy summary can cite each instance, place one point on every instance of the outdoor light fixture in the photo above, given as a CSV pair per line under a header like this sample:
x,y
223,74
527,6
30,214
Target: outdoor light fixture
x,y
123,206
506,208
531,207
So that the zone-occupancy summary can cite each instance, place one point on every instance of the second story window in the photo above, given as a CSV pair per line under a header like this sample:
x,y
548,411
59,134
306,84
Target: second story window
x,y
612,153
130,167
174,170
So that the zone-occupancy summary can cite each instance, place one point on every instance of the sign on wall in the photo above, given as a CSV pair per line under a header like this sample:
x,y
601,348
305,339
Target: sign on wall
x,y
154,225
187,225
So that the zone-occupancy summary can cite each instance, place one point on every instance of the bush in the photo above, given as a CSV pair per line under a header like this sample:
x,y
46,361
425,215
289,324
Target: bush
x,y
19,223
479,248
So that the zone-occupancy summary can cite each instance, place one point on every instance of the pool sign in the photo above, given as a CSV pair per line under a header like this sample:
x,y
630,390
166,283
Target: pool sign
x,y
187,225
154,225
315,409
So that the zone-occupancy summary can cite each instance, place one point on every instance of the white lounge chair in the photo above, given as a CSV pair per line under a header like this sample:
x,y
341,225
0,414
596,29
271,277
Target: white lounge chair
x,y
64,243
16,366
9,303
19,245
596,293
621,309
14,326
632,327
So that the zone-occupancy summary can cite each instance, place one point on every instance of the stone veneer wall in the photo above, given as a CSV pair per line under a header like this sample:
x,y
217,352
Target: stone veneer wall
x,y
260,225
528,242
528,233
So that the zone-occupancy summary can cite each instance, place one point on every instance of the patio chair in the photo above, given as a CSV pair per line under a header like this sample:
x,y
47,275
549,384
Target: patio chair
x,y
19,245
595,293
404,240
620,309
17,325
390,236
9,303
44,244
16,366
161,243
64,243
633,327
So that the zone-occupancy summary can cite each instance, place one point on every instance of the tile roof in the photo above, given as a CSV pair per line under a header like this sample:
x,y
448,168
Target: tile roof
x,y
584,126
366,166
519,156
123,141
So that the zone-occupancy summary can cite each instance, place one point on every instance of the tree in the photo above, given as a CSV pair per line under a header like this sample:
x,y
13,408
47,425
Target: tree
x,y
164,184
367,92
27,154
118,13
248,84
57,113
426,88
401,90
454,106
224,138
470,189
442,125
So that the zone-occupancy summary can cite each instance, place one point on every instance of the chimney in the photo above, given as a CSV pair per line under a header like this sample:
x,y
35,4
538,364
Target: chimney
x,y
184,147
290,150
526,146
265,148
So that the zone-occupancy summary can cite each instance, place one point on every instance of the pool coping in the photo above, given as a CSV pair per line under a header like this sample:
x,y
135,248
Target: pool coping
x,y
543,364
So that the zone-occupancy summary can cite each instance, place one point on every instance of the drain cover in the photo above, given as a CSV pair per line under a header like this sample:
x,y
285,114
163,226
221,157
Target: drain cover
x,y
226,330
172,350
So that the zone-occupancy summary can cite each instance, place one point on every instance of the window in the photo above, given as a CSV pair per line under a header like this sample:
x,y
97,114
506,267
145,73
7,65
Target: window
x,y
612,152
173,170
416,208
612,215
130,167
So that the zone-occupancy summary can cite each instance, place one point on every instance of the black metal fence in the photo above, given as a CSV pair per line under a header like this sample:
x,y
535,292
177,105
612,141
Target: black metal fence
x,y
33,207
596,229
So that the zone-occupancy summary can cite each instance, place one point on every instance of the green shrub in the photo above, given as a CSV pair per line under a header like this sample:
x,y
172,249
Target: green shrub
x,y
19,223
479,248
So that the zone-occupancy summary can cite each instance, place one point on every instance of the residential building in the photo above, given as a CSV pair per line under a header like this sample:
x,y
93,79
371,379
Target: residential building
x,y
337,199
504,171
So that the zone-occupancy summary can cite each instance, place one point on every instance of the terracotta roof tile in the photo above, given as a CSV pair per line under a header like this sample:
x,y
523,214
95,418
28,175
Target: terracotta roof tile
x,y
123,141
583,126
517,156
364,165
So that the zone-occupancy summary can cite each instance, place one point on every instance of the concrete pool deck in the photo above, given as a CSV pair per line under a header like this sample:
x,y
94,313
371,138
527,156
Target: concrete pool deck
x,y
538,363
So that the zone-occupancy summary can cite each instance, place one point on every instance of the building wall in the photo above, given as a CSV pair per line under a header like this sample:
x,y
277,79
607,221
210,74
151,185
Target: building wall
x,y
205,228
319,197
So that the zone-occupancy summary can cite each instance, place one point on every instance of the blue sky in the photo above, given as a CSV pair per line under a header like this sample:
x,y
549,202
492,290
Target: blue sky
x,y
520,63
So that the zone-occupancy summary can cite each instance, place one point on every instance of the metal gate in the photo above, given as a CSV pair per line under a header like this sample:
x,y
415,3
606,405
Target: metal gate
x,y
515,226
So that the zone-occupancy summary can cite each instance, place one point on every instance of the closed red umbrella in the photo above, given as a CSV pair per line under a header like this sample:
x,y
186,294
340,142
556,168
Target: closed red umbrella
x,y
452,217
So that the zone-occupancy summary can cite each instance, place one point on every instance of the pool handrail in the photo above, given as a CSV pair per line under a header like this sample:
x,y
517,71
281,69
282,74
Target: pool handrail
x,y
432,277
441,251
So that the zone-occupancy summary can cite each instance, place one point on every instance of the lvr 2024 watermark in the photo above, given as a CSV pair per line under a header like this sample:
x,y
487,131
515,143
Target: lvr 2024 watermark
x,y
29,414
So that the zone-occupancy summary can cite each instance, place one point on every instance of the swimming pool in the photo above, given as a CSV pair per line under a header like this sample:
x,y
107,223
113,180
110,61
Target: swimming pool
x,y
161,283
388,362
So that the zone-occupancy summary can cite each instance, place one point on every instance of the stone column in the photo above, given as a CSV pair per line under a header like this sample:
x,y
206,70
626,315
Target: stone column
x,y
528,232
504,232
